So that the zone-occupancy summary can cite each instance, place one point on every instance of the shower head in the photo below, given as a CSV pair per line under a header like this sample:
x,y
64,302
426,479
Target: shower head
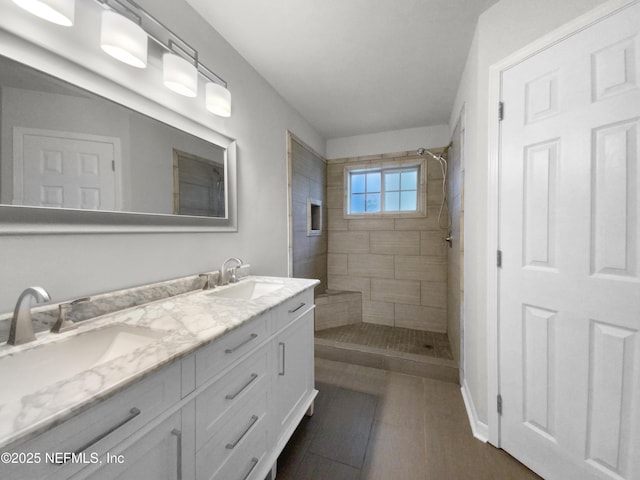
x,y
423,151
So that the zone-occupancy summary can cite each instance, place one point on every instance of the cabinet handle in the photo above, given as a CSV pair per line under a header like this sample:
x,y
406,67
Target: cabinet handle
x,y
178,435
297,308
234,395
252,337
254,463
282,344
231,446
133,413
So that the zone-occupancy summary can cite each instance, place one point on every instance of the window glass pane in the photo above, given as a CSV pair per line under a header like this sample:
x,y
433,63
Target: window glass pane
x,y
357,203
357,182
373,202
373,182
408,201
410,180
391,201
391,181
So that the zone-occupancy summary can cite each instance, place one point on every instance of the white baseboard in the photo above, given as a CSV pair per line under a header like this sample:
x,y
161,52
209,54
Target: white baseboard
x,y
480,430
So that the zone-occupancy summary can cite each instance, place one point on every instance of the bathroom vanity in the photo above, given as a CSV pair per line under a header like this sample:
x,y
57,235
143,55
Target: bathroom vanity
x,y
210,384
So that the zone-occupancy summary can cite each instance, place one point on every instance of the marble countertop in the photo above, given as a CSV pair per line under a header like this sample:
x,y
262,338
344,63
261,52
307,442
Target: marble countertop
x,y
190,321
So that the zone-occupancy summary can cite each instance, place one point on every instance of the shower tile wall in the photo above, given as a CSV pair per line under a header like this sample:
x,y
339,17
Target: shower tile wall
x,y
399,264
308,180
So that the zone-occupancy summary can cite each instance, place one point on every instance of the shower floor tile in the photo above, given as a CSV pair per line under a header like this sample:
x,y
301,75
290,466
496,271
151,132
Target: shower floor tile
x,y
398,339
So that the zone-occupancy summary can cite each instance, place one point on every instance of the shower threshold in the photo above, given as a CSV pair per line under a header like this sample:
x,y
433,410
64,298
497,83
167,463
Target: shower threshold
x,y
404,350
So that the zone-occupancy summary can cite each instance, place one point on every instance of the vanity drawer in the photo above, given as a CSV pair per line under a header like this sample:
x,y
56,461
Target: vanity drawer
x,y
293,308
247,463
98,429
248,379
237,440
214,358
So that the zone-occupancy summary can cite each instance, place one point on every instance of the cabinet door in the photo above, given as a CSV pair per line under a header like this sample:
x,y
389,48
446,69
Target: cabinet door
x,y
294,379
158,454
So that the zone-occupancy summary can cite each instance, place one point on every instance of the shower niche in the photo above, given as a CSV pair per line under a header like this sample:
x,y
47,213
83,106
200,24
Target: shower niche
x,y
314,217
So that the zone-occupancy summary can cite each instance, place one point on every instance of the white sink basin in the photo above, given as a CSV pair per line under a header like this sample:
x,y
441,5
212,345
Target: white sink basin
x,y
247,290
29,370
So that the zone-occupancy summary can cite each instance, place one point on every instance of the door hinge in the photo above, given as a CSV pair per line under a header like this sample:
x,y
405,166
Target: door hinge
x,y
499,404
113,165
499,258
501,111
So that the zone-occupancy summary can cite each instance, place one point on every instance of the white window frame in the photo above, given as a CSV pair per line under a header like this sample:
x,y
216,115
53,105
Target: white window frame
x,y
421,206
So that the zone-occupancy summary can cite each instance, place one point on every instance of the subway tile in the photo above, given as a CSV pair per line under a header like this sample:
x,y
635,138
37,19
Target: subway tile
x,y
395,243
395,291
421,318
349,242
368,265
371,224
434,294
432,243
337,263
423,268
380,313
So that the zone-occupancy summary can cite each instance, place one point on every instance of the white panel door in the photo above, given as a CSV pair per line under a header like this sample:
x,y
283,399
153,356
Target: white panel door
x,y
569,286
56,169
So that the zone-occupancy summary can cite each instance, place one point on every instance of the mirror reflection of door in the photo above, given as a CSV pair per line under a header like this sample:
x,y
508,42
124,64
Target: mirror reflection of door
x,y
66,170
198,186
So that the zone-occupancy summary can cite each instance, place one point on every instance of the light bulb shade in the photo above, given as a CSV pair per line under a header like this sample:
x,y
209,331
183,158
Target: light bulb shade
x,y
61,12
218,99
123,39
179,75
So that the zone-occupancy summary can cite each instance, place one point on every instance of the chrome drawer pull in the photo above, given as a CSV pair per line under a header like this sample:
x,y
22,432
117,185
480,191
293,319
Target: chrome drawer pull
x,y
231,446
133,413
282,344
178,434
254,463
231,350
232,396
297,308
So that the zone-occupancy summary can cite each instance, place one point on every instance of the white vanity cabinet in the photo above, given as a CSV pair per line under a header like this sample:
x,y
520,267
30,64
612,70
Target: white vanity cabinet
x,y
294,382
223,412
158,454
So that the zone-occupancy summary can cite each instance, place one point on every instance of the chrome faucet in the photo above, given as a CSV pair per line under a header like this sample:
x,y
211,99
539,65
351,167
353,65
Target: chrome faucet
x,y
222,277
63,324
21,324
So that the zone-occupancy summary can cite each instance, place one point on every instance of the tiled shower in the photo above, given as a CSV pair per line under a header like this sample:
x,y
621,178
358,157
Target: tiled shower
x,y
387,271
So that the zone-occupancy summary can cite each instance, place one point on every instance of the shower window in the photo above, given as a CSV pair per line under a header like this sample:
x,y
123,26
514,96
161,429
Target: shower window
x,y
383,190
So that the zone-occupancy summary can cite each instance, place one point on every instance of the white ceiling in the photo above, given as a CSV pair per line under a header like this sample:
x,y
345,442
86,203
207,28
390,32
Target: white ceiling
x,y
353,67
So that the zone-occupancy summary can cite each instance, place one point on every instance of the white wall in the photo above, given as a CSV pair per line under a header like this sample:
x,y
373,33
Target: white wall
x,y
502,30
70,266
388,142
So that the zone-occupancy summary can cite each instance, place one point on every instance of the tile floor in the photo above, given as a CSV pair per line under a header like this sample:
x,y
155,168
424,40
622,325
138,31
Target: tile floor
x,y
399,339
372,424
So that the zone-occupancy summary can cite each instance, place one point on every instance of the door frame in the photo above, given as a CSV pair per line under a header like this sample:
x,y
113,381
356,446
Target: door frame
x,y
493,189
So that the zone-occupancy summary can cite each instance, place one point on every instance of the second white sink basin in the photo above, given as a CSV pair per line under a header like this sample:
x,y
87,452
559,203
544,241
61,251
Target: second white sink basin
x,y
27,371
247,290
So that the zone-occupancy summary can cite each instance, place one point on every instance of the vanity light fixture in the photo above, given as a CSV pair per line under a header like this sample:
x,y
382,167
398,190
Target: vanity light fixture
x,y
60,12
218,99
123,39
178,74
